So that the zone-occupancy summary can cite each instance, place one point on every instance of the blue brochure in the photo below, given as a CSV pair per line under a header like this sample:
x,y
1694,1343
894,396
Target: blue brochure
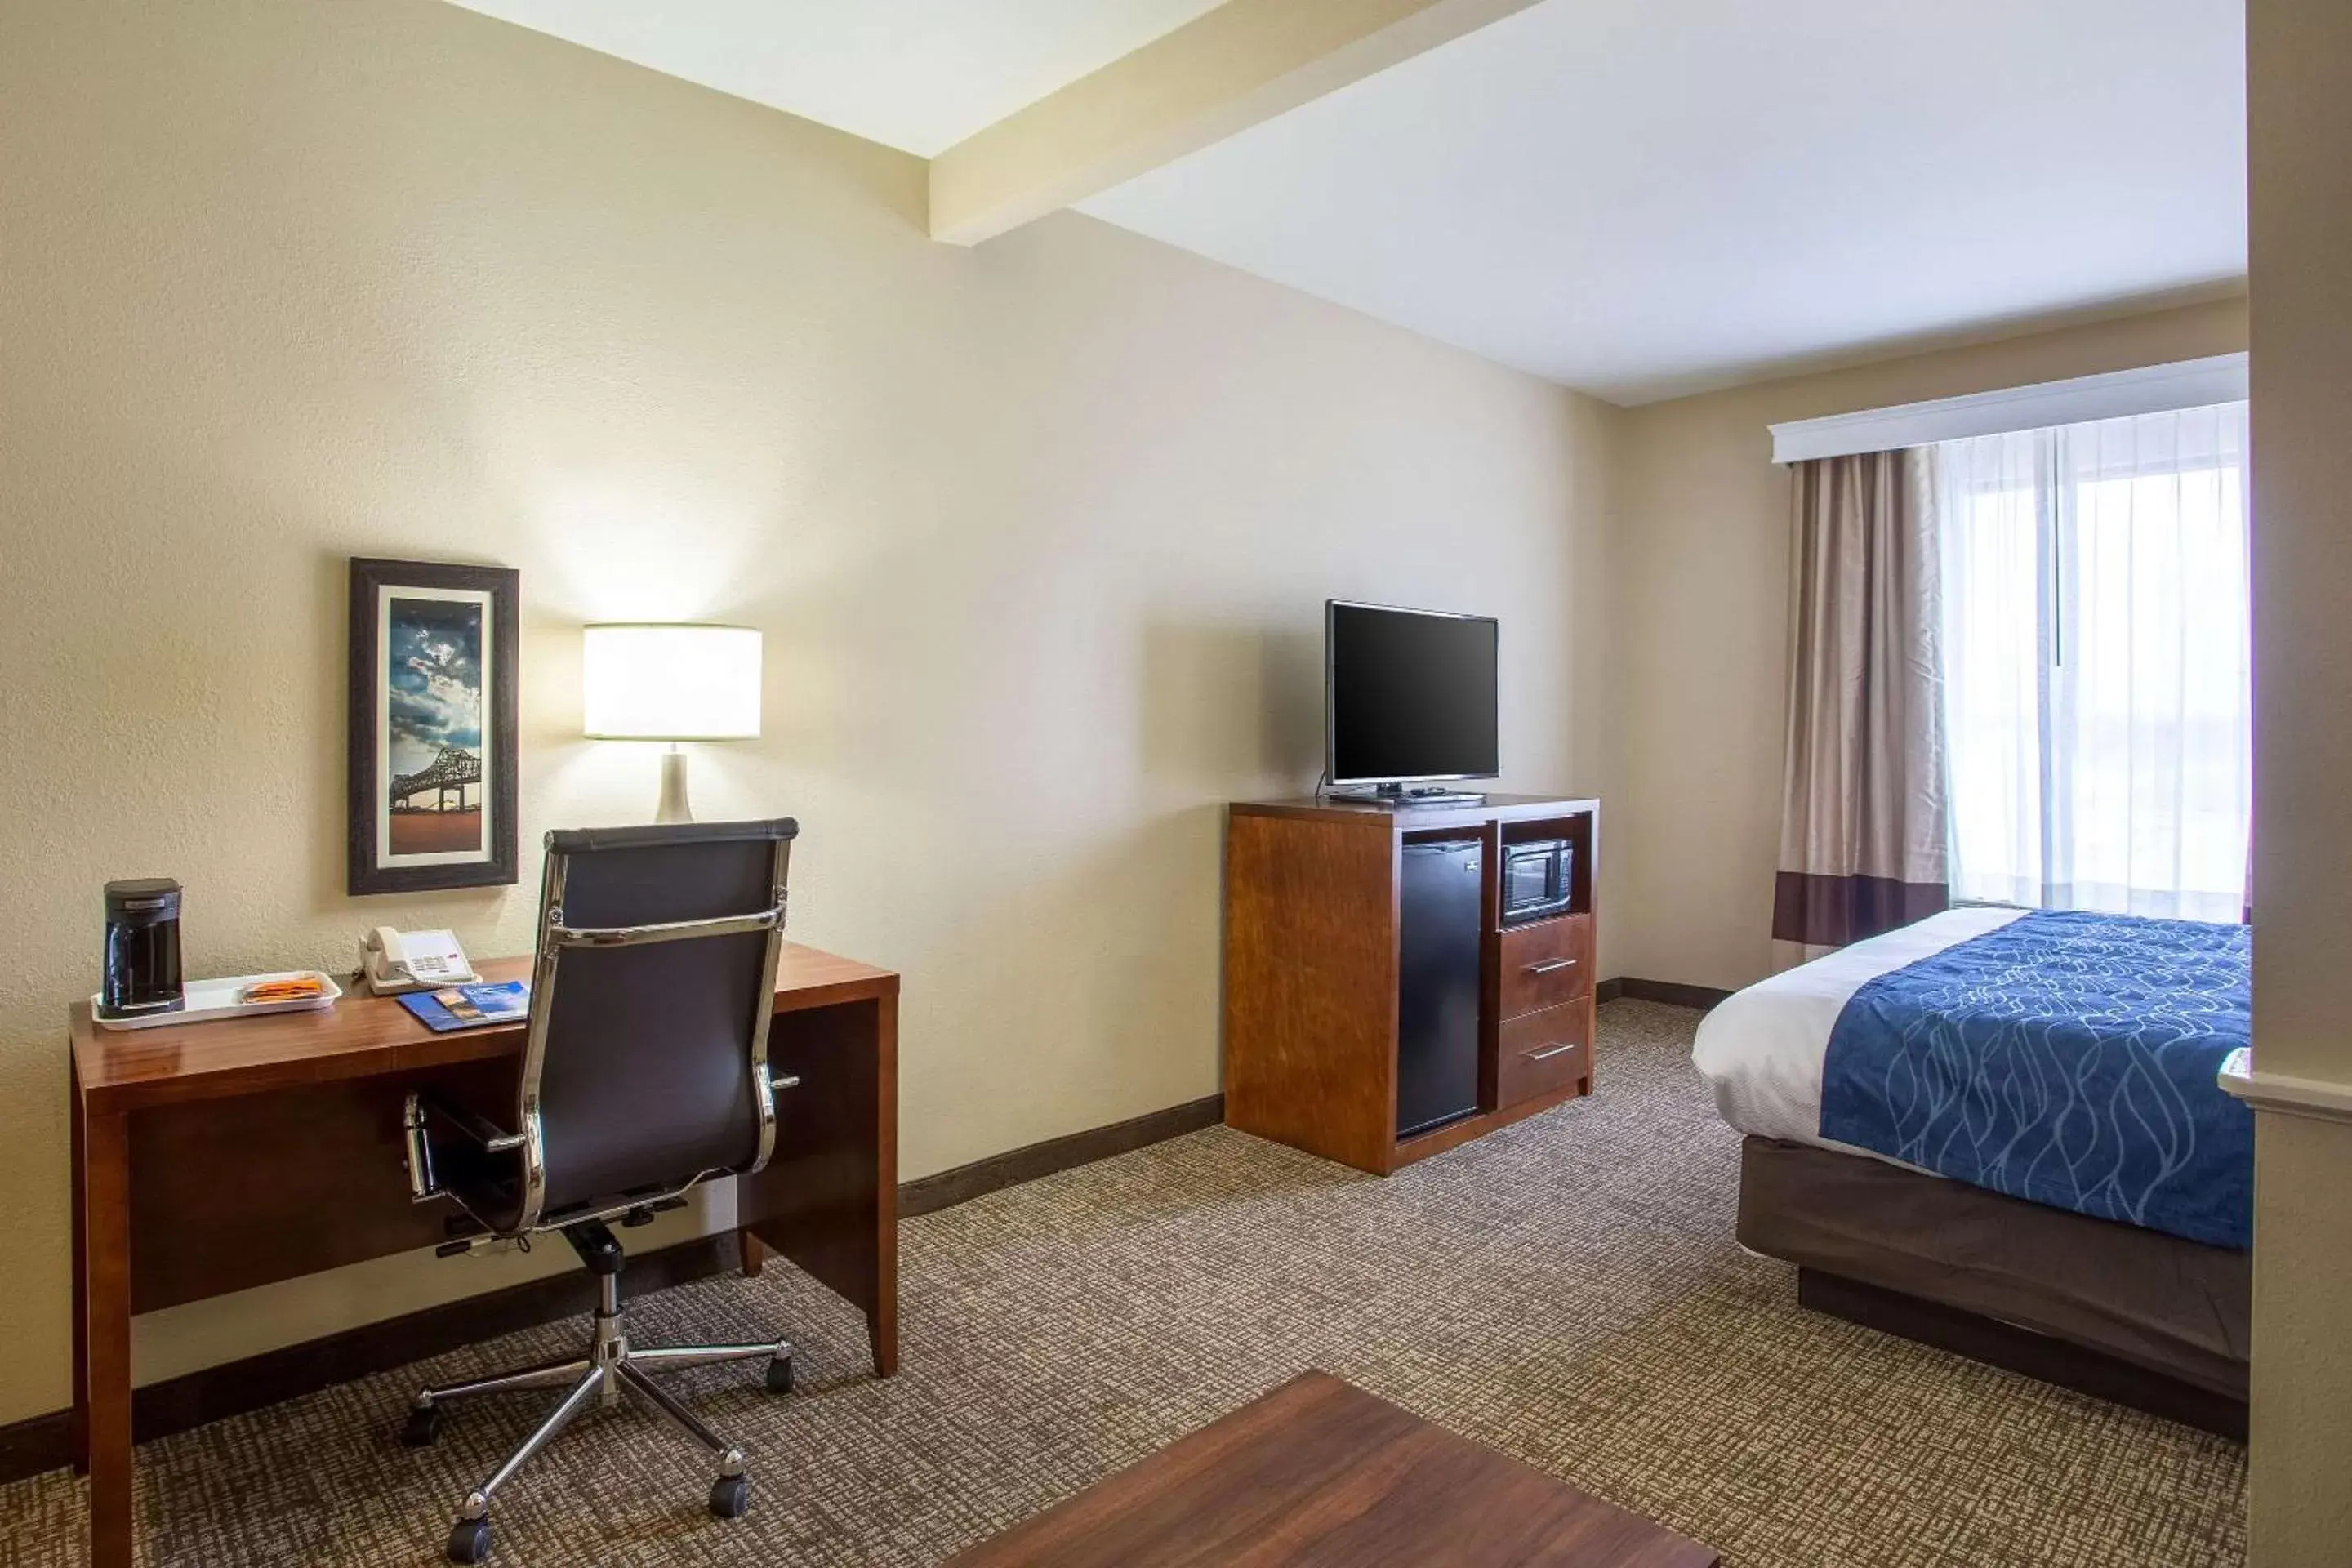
x,y
469,1006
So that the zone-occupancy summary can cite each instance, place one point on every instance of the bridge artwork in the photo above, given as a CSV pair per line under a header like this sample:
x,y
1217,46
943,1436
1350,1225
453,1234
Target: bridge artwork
x,y
449,772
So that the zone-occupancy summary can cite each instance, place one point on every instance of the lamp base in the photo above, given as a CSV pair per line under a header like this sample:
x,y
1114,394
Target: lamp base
x,y
673,806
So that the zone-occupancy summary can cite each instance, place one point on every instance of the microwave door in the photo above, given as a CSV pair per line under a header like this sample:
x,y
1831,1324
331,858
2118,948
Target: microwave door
x,y
1536,880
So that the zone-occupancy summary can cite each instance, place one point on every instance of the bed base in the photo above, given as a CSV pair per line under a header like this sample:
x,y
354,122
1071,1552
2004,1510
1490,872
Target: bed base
x,y
2021,1350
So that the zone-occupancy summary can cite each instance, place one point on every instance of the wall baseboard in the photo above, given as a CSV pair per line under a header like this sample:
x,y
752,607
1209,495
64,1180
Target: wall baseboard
x,y
42,1443
1674,992
948,1188
36,1444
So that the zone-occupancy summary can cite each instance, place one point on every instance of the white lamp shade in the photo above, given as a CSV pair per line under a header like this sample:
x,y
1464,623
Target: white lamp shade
x,y
671,683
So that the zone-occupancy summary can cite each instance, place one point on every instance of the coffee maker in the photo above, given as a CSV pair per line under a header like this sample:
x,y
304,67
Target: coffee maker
x,y
142,970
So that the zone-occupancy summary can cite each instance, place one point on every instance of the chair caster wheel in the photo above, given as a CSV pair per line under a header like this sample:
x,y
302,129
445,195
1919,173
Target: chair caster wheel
x,y
424,1425
730,1496
469,1541
780,1375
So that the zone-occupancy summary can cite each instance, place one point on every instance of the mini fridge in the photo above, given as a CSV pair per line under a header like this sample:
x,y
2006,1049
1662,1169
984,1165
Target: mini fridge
x,y
1437,1012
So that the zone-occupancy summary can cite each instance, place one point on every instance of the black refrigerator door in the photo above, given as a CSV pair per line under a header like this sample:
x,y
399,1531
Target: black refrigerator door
x,y
1437,1013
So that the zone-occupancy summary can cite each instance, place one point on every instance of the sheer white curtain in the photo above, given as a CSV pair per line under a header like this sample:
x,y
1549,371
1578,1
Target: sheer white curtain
x,y
2097,664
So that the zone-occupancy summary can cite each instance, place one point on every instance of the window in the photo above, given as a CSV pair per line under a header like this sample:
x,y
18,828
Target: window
x,y
2096,650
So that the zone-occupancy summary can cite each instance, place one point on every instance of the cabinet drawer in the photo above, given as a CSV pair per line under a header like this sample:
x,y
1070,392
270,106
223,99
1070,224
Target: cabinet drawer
x,y
1546,965
1542,1052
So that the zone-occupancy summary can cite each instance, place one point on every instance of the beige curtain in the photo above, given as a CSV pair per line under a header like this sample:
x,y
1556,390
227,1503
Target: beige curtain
x,y
1863,818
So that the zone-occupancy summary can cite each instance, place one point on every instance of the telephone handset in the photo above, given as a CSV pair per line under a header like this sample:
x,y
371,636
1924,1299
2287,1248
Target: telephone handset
x,y
392,962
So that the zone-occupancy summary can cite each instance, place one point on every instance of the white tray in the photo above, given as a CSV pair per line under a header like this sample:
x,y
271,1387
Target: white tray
x,y
210,999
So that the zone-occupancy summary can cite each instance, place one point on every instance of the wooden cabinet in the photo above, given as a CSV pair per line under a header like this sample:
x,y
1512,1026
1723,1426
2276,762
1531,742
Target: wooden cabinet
x,y
1311,972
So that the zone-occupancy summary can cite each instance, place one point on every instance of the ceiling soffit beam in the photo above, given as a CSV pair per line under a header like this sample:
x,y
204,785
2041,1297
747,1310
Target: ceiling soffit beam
x,y
1227,69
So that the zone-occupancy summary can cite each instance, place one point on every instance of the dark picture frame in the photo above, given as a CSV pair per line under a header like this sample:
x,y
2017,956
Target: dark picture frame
x,y
432,726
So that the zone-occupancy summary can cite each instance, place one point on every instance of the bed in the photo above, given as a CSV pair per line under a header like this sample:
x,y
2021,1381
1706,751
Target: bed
x,y
1998,1131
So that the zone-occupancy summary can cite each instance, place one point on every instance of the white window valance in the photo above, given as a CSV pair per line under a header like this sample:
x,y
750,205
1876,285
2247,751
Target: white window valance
x,y
2156,389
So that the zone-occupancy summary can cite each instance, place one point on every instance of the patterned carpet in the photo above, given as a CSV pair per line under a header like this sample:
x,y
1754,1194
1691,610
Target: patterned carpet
x,y
1567,1290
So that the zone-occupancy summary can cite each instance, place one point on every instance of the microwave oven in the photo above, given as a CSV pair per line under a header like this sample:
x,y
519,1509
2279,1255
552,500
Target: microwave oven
x,y
1538,880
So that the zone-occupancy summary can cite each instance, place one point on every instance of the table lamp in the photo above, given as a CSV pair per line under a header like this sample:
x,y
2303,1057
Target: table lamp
x,y
674,683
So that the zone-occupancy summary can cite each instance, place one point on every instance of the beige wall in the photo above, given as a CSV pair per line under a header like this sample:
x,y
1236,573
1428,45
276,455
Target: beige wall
x,y
1703,626
1038,534
2299,58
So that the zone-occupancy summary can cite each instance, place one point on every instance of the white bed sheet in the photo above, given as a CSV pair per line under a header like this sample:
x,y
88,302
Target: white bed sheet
x,y
1762,1050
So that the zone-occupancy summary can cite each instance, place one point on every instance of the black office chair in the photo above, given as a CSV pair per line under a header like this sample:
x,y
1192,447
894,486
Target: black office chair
x,y
645,1074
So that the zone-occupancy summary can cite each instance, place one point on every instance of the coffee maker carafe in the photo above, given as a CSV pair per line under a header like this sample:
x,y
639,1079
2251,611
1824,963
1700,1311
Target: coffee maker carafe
x,y
142,971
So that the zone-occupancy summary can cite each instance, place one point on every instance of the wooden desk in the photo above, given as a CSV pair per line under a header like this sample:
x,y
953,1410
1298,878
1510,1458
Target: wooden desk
x,y
214,1157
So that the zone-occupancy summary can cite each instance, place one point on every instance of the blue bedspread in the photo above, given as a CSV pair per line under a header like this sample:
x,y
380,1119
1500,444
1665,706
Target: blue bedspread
x,y
2067,1057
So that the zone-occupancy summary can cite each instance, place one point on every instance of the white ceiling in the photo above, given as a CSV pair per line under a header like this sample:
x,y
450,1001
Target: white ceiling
x,y
1646,197
920,75
1635,198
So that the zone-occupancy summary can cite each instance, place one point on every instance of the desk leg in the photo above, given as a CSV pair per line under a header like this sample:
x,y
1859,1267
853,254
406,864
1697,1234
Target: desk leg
x,y
78,1433
829,1199
104,1178
882,1313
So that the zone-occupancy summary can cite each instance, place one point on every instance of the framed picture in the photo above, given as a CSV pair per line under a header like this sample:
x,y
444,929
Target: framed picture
x,y
432,726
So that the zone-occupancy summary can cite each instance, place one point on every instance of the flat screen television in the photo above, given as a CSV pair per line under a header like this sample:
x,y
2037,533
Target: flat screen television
x,y
1408,695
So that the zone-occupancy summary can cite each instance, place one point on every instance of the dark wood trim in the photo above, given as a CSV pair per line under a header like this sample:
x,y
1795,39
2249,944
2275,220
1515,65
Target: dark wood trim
x,y
42,1443
36,1444
1674,992
929,1194
2021,1350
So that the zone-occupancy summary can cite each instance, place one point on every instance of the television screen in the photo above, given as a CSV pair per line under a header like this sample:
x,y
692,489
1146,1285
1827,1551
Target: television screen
x,y
1409,694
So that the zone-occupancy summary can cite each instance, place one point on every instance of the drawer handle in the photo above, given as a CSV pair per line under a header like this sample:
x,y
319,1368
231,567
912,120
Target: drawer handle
x,y
1551,966
1549,1052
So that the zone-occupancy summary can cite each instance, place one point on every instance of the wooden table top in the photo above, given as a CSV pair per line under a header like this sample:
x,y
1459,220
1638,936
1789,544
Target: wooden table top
x,y
1320,1472
361,1035
1406,817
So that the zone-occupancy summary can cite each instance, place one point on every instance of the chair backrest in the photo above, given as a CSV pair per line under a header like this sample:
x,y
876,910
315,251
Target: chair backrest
x,y
655,981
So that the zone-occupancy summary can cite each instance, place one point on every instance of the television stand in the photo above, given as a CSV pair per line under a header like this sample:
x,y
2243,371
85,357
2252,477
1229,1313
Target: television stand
x,y
1329,1009
1398,795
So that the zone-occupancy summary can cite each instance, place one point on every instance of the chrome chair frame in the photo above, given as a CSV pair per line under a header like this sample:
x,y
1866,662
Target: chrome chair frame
x,y
613,1366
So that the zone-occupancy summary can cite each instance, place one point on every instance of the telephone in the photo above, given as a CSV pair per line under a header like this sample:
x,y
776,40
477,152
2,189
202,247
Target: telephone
x,y
392,963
